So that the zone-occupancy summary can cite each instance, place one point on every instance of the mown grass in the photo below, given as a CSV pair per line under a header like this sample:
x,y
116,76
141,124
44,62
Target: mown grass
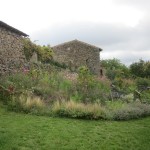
x,y
28,132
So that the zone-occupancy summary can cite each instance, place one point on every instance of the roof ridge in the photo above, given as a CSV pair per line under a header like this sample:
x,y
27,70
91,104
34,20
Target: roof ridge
x,y
89,44
64,43
77,41
3,24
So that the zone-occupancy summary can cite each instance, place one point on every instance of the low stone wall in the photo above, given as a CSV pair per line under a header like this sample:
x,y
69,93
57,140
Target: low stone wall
x,y
11,51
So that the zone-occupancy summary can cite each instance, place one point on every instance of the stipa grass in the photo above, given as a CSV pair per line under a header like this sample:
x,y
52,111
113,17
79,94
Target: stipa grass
x,y
26,103
78,110
30,102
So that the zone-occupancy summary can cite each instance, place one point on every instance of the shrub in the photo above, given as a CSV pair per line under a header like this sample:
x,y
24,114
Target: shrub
x,y
142,87
57,64
127,113
142,83
114,68
18,81
124,86
90,89
115,105
140,69
145,96
128,98
5,95
132,111
53,87
45,53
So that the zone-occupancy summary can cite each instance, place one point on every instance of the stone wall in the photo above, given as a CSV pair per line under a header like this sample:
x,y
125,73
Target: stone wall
x,y
75,54
11,50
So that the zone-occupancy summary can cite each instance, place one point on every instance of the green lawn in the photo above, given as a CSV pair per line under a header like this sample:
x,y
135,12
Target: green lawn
x,y
26,132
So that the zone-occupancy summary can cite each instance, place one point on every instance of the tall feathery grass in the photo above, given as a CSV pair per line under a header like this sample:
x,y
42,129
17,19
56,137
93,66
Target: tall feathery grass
x,y
73,109
26,103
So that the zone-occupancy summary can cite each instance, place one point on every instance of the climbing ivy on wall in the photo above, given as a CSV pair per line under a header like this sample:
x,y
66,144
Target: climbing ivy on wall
x,y
45,53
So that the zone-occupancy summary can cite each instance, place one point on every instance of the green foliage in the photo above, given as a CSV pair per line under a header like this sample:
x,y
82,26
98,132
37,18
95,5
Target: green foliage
x,y
115,105
114,68
124,86
132,111
142,87
142,83
5,95
29,48
45,53
57,64
145,96
90,89
21,81
140,69
36,90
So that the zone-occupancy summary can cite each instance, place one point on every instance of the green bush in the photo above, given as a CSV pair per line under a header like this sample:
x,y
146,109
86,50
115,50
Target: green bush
x,y
115,105
140,69
142,87
142,83
90,89
14,85
45,53
5,96
127,113
124,86
114,69
132,111
128,98
57,64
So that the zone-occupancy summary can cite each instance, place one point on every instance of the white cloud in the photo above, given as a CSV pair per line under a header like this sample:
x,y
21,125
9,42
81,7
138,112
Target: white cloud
x,y
34,15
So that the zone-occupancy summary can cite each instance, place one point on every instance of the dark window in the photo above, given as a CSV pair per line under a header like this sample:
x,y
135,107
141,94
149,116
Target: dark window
x,y
101,72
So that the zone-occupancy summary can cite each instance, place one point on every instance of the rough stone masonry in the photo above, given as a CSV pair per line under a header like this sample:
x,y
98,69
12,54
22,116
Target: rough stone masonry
x,y
11,48
76,53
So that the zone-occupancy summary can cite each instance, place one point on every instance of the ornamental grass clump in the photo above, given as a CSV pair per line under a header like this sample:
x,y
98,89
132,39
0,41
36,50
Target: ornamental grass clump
x,y
78,110
26,103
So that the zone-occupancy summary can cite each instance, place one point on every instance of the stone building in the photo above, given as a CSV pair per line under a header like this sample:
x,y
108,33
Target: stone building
x,y
76,53
11,47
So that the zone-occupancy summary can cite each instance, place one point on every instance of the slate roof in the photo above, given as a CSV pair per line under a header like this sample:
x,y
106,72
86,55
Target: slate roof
x,y
8,27
73,41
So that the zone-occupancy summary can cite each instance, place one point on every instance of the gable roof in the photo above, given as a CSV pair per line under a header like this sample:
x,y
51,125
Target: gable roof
x,y
95,47
8,27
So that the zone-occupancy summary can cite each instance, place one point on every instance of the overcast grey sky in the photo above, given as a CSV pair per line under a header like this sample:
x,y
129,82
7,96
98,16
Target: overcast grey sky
x,y
120,27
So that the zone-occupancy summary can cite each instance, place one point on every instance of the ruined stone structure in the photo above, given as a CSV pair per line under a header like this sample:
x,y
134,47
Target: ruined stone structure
x,y
76,53
11,48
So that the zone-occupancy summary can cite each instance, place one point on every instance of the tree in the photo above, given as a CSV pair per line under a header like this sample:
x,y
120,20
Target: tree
x,y
140,69
147,69
114,68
